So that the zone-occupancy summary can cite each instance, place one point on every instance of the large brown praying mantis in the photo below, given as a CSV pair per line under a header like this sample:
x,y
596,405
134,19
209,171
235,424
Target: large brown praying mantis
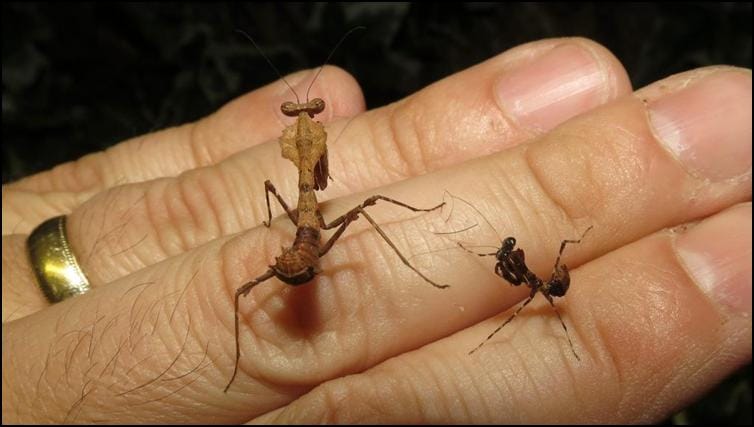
x,y
304,143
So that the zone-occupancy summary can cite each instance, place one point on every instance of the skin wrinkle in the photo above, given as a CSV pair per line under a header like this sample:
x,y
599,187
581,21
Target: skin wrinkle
x,y
163,200
192,193
81,222
675,379
523,382
158,304
79,403
549,194
604,349
230,204
662,301
132,246
506,192
131,315
391,153
98,231
182,292
81,335
331,410
38,390
408,383
710,358
361,315
162,372
216,212
127,218
375,154
100,235
433,400
635,170
541,362
459,392
482,387
443,405
461,382
114,357
155,193
239,209
167,204
106,160
628,278
385,400
402,122
364,400
196,148
422,134
110,240
195,301
71,352
175,360
527,381
94,330
658,369
84,172
510,394
360,180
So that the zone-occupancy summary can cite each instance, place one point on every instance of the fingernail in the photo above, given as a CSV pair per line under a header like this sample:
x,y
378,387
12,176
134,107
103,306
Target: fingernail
x,y
717,254
562,83
707,125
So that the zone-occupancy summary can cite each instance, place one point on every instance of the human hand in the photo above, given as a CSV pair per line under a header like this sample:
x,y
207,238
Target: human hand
x,y
168,225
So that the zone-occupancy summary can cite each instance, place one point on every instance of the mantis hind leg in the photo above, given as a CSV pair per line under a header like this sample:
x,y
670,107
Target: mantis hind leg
x,y
242,291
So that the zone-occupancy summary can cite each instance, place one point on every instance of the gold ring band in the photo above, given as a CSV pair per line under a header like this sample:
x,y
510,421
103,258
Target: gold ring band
x,y
58,273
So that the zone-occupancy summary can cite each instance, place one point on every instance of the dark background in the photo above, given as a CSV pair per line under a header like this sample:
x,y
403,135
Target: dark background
x,y
78,78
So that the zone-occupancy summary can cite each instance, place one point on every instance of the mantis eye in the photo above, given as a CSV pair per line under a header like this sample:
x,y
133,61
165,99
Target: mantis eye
x,y
290,109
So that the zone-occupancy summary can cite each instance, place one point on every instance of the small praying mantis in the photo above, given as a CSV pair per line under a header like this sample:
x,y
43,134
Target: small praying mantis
x,y
511,266
304,143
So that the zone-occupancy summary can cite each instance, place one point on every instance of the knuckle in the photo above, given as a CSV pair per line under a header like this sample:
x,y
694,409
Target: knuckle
x,y
585,178
401,145
199,207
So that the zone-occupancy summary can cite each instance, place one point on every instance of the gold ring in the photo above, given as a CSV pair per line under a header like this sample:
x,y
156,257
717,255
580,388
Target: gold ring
x,y
58,273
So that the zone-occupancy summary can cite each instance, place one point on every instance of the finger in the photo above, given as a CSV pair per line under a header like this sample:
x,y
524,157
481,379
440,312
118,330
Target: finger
x,y
657,323
365,307
128,227
244,122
